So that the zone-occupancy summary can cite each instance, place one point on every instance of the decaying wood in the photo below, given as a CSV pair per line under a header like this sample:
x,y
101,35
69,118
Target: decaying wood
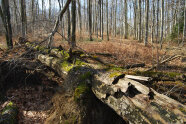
x,y
131,100
139,78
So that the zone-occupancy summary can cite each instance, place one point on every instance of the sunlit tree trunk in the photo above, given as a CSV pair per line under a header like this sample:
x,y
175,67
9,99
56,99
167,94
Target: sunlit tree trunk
x,y
147,22
107,21
162,22
126,18
139,25
90,19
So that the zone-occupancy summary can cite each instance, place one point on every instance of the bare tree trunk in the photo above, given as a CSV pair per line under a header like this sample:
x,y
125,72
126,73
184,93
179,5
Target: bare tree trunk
x,y
135,18
184,27
90,20
100,16
33,14
126,18
102,20
153,21
50,9
107,21
23,18
16,17
80,21
5,15
162,22
69,25
139,25
147,22
157,28
115,25
73,9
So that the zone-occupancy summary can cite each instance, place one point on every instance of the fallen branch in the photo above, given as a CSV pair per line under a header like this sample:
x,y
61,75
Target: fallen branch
x,y
165,61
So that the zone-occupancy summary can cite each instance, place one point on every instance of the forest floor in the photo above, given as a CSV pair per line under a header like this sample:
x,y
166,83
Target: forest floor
x,y
35,100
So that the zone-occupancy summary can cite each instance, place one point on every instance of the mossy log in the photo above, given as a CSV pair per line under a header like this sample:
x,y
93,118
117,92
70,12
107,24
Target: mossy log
x,y
9,114
133,101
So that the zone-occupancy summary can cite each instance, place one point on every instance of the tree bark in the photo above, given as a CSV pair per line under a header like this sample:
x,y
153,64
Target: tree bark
x,y
23,18
73,9
126,18
162,22
5,16
107,21
131,100
90,20
147,23
139,25
184,27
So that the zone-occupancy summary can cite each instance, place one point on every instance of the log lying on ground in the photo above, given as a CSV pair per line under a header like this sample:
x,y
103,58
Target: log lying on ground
x,y
9,114
131,100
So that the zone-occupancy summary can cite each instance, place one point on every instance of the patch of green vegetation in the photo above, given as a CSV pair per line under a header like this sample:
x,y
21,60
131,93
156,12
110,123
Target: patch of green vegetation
x,y
65,54
10,106
71,120
80,91
79,62
66,66
114,68
85,76
114,74
182,110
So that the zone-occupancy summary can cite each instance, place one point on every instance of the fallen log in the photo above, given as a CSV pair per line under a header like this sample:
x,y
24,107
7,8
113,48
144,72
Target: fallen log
x,y
9,114
140,78
131,100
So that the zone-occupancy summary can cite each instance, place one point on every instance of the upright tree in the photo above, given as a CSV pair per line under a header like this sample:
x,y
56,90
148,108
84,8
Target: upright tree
x,y
90,19
147,22
162,22
23,18
5,16
73,9
107,21
157,21
80,20
126,18
184,27
139,24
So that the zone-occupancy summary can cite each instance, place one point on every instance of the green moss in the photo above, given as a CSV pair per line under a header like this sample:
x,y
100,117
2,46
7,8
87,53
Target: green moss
x,y
64,54
114,74
173,74
41,48
8,107
66,66
182,110
85,76
81,90
79,62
